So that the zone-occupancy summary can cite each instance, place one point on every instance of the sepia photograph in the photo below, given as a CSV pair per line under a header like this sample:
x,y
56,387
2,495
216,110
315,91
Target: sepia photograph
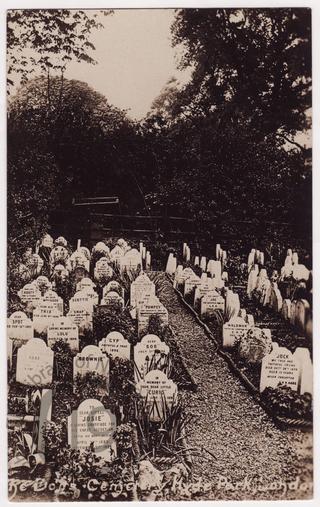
x,y
159,254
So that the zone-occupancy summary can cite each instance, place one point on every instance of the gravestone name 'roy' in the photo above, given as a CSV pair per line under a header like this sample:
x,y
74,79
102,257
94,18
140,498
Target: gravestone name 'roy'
x,y
34,363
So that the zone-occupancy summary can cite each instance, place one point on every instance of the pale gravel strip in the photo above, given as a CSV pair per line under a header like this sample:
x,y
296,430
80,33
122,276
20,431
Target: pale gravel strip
x,y
229,423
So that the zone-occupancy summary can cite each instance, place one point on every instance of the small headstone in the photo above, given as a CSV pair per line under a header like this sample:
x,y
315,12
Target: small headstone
x,y
91,359
302,309
111,298
286,309
232,306
302,355
112,286
158,392
84,284
101,247
171,264
279,367
47,241
149,354
34,363
211,302
63,329
152,307
300,272
203,263
82,318
61,241
53,297
79,260
45,313
233,330
102,269
115,345
116,254
92,425
141,286
43,284
30,294
81,300
19,327
191,283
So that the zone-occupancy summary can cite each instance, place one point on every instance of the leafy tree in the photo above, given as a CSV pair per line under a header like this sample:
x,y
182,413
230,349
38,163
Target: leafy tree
x,y
48,39
251,66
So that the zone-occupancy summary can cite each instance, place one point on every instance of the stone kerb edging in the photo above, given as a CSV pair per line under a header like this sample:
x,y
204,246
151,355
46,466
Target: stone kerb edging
x,y
282,422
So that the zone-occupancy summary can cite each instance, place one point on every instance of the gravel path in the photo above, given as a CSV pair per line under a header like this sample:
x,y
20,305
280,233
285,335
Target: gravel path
x,y
248,448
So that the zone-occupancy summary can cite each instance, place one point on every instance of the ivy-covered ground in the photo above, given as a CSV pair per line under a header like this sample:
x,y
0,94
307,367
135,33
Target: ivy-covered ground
x,y
236,448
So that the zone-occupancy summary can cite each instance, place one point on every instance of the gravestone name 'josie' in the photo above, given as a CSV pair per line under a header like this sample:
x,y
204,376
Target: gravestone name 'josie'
x,y
279,367
34,363
158,392
93,425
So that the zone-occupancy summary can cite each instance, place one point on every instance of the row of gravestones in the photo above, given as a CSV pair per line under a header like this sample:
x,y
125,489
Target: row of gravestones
x,y
91,422
62,263
297,312
238,323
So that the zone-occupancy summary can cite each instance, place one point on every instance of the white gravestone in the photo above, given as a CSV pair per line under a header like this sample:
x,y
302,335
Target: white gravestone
x,y
53,297
19,327
111,286
279,367
211,302
302,355
84,284
158,392
142,286
116,254
34,363
82,318
233,330
111,298
286,309
115,345
30,294
232,306
91,359
102,269
152,307
149,354
44,314
302,310
192,282
92,425
63,329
